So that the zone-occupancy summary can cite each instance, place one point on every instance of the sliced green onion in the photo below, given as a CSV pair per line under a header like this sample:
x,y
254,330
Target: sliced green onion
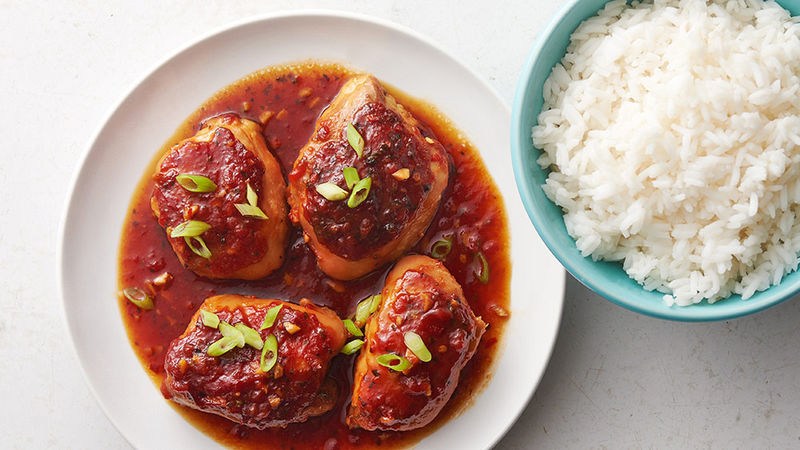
x,y
269,318
331,191
202,250
252,197
138,297
271,348
230,331
196,183
355,139
221,346
209,319
376,301
251,336
352,328
360,192
365,308
482,274
190,228
417,346
441,248
362,312
352,346
250,211
394,362
350,176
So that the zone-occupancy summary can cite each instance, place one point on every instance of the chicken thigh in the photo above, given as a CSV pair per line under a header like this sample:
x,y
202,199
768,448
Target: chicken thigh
x,y
220,197
273,377
398,172
416,344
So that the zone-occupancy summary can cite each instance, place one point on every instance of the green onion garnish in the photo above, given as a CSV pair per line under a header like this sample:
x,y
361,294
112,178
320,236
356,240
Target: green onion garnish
x,y
331,191
209,319
376,301
251,336
271,348
360,192
441,248
355,139
190,228
138,297
482,274
221,346
417,346
202,250
252,197
365,308
394,362
350,176
196,183
362,311
352,328
250,211
352,346
269,318
230,331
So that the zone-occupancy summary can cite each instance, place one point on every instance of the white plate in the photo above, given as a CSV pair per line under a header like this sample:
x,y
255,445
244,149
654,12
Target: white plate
x,y
150,114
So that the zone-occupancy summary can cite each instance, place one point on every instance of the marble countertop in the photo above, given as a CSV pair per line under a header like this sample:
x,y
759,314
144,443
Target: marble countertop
x,y
616,379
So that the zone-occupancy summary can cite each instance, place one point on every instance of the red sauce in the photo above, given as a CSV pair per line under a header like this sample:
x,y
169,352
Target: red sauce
x,y
216,383
417,303
356,232
471,214
226,161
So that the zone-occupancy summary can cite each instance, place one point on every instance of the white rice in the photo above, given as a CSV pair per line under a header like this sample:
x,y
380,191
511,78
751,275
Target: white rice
x,y
672,133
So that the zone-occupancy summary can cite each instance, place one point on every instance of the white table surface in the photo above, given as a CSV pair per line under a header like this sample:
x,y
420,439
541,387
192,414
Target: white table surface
x,y
617,379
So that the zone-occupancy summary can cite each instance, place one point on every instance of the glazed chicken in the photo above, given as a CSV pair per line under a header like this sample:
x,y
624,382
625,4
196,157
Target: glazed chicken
x,y
406,170
423,310
264,387
220,197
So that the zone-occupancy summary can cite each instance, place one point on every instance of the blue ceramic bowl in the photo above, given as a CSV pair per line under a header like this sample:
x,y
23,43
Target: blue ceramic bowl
x,y
605,278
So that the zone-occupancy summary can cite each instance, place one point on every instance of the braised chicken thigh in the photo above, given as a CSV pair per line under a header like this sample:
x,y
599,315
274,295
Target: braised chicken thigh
x,y
416,344
368,182
261,363
220,197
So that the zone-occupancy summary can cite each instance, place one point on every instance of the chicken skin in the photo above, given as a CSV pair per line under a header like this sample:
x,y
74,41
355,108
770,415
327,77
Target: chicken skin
x,y
234,384
420,297
228,186
407,170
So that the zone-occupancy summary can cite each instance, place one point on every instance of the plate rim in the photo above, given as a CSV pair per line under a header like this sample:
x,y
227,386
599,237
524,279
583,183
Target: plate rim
x,y
145,75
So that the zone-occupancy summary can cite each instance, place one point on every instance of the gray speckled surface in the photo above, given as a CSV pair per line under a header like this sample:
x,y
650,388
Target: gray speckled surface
x,y
616,379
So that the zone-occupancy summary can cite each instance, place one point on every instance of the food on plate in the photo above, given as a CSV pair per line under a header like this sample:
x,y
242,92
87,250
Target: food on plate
x,y
468,234
220,197
260,363
416,344
368,182
672,134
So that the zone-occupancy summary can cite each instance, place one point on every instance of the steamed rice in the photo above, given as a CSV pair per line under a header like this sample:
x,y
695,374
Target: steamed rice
x,y
671,130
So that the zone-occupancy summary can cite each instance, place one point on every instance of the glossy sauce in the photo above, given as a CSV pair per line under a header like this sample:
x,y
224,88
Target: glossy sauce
x,y
354,233
289,389
420,297
226,160
290,98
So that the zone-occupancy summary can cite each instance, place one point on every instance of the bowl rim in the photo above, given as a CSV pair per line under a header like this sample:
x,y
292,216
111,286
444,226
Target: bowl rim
x,y
580,267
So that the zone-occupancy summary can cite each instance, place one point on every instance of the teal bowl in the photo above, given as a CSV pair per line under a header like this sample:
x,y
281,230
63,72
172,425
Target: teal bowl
x,y
605,278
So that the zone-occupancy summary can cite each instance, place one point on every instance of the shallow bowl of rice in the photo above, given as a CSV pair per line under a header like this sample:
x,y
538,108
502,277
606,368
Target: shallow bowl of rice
x,y
688,181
